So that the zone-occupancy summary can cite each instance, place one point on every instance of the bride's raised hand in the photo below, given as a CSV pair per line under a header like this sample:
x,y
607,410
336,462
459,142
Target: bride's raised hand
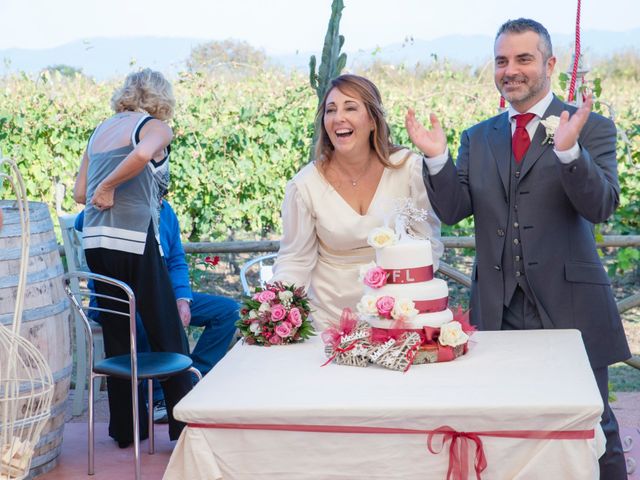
x,y
431,142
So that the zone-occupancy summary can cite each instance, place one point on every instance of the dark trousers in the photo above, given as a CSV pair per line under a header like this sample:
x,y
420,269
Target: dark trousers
x,y
218,315
522,314
147,276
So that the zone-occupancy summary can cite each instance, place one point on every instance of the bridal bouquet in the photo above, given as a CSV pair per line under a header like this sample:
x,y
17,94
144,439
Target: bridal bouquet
x,y
276,314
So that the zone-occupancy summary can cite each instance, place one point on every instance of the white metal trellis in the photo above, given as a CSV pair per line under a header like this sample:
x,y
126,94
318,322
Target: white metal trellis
x,y
26,381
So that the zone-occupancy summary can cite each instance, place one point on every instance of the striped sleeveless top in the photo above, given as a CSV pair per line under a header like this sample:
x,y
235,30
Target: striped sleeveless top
x,y
124,226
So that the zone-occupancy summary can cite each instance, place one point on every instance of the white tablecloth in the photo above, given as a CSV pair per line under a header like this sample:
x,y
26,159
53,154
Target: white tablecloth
x,y
516,380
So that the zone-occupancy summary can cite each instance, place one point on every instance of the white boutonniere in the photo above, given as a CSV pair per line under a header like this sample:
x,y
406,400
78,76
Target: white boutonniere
x,y
550,124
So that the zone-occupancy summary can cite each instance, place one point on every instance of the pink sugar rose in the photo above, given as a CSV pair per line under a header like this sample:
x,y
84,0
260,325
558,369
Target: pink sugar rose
x,y
375,277
264,296
275,340
385,305
284,329
278,312
295,317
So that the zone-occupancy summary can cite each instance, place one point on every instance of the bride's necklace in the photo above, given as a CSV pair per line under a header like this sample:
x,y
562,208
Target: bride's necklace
x,y
354,181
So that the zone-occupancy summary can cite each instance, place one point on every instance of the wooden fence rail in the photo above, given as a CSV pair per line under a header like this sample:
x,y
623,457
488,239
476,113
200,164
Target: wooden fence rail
x,y
265,246
608,241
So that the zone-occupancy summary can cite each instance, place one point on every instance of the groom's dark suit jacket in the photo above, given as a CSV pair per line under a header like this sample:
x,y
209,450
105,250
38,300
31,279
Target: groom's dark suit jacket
x,y
557,205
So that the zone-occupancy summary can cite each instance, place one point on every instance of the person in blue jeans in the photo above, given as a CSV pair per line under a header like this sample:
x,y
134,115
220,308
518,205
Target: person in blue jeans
x,y
216,314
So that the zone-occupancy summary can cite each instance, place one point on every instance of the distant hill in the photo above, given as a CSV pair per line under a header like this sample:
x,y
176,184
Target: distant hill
x,y
105,58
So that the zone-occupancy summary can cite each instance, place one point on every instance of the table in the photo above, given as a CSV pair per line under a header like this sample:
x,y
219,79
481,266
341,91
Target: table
x,y
344,422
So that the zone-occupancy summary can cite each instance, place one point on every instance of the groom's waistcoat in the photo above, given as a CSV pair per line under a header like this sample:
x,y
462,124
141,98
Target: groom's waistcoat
x,y
513,268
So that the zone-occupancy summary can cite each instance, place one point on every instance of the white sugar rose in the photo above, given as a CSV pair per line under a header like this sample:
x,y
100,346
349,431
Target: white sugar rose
x,y
253,314
367,305
404,309
364,269
451,334
382,237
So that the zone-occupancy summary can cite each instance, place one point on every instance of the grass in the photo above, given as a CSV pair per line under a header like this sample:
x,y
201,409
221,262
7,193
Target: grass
x,y
624,378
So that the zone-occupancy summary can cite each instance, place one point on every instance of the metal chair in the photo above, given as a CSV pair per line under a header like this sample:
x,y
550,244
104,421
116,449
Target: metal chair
x,y
265,272
74,254
133,366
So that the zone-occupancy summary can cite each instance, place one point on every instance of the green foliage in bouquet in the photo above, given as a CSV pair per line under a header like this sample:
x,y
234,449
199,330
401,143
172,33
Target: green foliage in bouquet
x,y
276,314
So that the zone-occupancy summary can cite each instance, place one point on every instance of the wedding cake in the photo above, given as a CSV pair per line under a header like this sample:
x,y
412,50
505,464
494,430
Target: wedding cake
x,y
403,317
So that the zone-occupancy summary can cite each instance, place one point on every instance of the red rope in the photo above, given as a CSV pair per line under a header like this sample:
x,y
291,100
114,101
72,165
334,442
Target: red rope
x,y
574,72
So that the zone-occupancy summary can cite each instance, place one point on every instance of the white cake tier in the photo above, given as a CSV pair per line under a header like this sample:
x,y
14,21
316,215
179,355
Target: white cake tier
x,y
418,292
408,253
422,320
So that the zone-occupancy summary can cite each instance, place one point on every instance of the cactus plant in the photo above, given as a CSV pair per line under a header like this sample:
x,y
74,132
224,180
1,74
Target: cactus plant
x,y
332,61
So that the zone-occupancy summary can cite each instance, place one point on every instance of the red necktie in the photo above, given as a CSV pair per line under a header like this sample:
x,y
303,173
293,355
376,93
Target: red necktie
x,y
520,141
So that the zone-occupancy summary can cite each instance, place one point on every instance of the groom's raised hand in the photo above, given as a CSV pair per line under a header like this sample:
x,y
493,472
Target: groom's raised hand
x,y
431,142
568,130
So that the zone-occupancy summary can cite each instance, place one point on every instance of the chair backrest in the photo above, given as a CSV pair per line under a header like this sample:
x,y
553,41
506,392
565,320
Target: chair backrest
x,y
72,243
265,265
82,296
73,252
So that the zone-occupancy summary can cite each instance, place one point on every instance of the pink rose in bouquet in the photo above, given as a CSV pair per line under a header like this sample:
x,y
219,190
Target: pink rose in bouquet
x,y
284,329
375,277
295,317
264,296
276,314
385,306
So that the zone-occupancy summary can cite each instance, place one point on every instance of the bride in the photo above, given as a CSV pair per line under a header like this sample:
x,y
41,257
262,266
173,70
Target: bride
x,y
333,203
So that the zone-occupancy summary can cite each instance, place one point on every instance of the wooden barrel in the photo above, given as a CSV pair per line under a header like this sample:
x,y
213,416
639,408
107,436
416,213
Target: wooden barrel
x,y
46,319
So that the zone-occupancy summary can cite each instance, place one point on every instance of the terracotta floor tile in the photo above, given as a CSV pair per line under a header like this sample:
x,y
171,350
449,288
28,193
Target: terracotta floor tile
x,y
111,462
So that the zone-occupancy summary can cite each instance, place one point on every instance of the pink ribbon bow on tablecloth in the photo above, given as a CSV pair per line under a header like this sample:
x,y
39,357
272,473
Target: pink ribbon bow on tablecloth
x,y
459,452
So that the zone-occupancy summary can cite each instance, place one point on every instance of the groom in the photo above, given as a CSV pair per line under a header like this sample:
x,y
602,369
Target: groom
x,y
535,193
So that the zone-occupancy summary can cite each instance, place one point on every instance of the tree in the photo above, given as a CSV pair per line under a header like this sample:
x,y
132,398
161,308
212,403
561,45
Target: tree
x,y
65,70
226,56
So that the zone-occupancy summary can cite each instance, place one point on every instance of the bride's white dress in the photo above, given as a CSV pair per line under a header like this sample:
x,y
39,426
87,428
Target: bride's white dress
x,y
325,240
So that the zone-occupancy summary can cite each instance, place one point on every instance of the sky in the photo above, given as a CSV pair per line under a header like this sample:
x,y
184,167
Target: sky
x,y
287,26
